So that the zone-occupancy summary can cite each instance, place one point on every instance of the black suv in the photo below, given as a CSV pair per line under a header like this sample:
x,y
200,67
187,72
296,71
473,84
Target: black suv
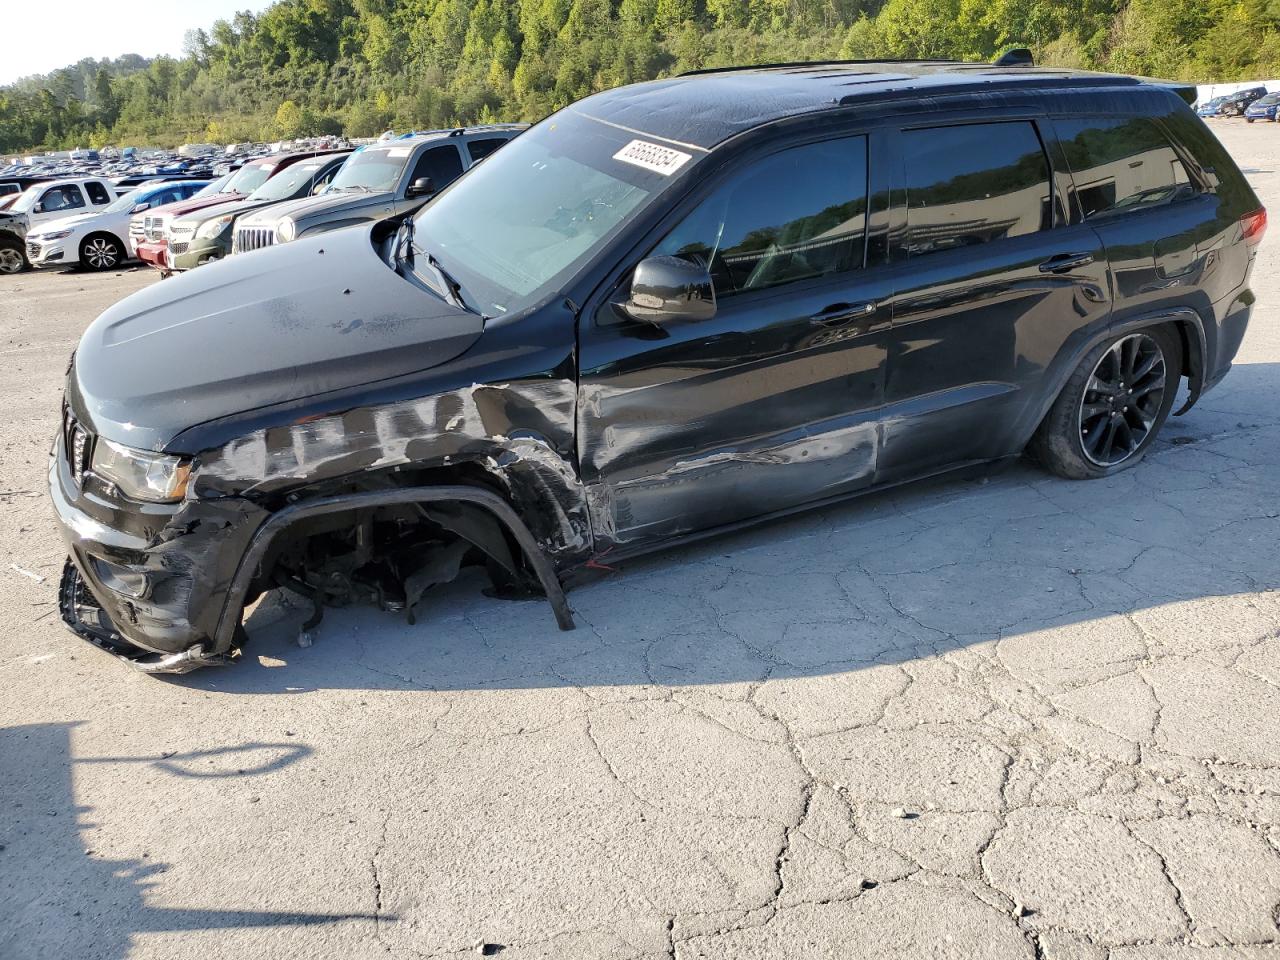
x,y
1235,104
672,308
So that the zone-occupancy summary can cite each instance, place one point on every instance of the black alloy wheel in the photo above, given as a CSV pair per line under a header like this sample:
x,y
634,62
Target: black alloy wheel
x,y
1122,400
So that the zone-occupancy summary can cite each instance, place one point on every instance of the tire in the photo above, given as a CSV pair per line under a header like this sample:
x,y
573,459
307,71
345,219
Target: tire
x,y
101,251
1098,427
1248,119
13,255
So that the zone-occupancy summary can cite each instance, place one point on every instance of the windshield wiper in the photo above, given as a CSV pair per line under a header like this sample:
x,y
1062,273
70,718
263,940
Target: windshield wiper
x,y
357,186
406,251
452,288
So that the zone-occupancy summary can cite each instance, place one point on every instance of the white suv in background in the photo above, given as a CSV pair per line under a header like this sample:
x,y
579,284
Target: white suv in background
x,y
98,239
63,198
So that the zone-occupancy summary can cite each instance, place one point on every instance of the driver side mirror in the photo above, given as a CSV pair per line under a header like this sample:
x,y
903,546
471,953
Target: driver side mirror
x,y
140,207
421,187
670,290
38,208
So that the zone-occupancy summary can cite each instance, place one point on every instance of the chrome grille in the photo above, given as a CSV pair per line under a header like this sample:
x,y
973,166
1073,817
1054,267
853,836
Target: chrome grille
x,y
137,228
33,250
178,248
155,228
252,238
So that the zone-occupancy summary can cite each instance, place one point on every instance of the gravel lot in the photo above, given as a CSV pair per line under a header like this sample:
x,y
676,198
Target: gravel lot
x,y
1020,717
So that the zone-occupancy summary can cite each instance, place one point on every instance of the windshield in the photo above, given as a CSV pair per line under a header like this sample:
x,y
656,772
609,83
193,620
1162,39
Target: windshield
x,y
1268,100
126,202
375,170
218,186
249,178
28,199
289,181
520,223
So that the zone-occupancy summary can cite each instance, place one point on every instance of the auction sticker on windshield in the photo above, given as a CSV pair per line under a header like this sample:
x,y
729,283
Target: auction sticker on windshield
x,y
651,156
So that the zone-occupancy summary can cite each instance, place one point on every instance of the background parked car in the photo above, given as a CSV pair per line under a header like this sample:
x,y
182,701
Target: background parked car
x,y
211,229
389,179
1263,108
138,222
1235,104
13,231
154,248
61,198
98,240
1210,107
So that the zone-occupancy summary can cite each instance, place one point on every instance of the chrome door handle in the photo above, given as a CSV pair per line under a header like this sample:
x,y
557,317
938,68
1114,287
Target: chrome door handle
x,y
839,313
1066,261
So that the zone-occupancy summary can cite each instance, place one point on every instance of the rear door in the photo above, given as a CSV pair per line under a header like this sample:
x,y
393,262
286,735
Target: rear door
x,y
773,402
1157,223
992,279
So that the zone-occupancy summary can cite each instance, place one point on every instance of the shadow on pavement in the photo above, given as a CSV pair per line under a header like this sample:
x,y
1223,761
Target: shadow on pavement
x,y
60,899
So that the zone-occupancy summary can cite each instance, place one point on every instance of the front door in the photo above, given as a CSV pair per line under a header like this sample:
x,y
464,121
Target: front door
x,y
770,404
991,280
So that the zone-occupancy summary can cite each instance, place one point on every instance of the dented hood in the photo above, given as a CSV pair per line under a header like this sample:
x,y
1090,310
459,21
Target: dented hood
x,y
276,325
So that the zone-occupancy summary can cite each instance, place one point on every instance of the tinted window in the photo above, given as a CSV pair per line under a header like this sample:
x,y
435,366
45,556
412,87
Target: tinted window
x,y
62,198
796,215
972,184
442,164
97,192
479,149
1121,165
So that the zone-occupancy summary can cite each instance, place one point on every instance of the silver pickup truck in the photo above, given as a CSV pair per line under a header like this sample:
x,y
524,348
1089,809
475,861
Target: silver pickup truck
x,y
383,180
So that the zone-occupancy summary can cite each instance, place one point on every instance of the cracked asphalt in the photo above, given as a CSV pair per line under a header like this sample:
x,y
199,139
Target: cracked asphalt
x,y
1002,718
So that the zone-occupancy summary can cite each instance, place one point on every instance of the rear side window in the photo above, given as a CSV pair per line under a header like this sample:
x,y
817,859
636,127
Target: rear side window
x,y
972,184
1120,165
97,192
442,164
479,149
797,215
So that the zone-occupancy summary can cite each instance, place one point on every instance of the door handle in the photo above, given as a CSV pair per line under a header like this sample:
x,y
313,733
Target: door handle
x,y
1066,261
839,313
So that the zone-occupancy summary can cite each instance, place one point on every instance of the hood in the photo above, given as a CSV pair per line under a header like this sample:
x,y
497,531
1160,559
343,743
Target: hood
x,y
324,205
181,208
67,223
235,207
289,322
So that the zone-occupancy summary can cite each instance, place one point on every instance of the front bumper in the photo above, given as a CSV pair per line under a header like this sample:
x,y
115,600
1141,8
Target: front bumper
x,y
153,253
147,579
52,254
189,254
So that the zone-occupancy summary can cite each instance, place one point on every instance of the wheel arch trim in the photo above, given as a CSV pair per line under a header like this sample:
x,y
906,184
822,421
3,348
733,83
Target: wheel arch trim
x,y
1186,320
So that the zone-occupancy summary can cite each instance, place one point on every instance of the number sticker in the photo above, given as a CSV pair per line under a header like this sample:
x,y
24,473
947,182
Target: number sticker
x,y
651,156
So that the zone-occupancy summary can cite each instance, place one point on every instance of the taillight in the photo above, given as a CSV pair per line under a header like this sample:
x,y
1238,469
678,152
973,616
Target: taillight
x,y
1254,225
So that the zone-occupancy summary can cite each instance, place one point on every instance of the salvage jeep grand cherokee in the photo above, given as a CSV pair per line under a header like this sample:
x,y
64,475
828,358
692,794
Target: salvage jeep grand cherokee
x,y
668,309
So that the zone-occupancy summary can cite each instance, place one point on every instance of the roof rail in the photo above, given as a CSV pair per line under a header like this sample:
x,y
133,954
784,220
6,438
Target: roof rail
x,y
804,63
1017,57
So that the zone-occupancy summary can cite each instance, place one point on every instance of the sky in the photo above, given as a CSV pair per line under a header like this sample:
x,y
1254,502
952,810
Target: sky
x,y
40,37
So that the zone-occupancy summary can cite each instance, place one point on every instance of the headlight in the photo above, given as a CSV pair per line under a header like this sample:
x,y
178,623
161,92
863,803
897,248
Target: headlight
x,y
56,235
139,474
287,230
212,228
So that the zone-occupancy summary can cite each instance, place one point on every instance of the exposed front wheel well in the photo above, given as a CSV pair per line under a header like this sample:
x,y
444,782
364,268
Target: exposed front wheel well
x,y
390,546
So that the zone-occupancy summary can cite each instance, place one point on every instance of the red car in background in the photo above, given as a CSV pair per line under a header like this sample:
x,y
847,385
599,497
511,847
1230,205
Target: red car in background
x,y
148,233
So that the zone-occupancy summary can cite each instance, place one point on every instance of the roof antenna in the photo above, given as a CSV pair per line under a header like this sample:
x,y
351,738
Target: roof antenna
x,y
1017,57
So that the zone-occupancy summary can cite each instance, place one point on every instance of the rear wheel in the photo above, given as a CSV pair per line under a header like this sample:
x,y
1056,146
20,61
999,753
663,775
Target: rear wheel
x,y
13,258
101,251
1112,408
